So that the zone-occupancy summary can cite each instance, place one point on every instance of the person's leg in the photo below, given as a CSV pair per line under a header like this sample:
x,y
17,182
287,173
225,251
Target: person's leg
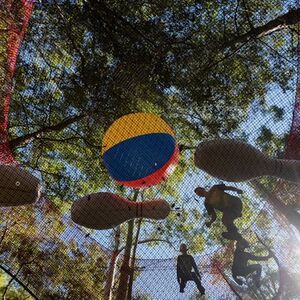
x,y
257,270
234,211
252,269
228,219
182,285
197,280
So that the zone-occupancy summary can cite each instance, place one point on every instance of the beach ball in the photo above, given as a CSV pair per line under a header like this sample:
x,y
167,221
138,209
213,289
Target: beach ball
x,y
140,150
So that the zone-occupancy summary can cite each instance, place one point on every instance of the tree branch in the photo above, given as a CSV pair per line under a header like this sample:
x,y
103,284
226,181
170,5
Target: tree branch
x,y
247,14
100,7
9,283
30,136
70,36
19,282
235,17
281,22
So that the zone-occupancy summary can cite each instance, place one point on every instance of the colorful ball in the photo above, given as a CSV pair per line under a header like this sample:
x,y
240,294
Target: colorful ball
x,y
140,150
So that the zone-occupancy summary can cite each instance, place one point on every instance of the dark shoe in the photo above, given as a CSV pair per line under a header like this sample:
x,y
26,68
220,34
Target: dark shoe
x,y
181,291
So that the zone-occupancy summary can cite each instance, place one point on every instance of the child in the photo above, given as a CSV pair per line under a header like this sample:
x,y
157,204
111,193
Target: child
x,y
240,265
230,206
185,264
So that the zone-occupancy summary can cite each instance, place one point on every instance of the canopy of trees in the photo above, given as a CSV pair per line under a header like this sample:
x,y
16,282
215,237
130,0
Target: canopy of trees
x,y
206,67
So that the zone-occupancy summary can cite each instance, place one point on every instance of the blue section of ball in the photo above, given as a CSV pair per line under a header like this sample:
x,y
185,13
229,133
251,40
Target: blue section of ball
x,y
140,156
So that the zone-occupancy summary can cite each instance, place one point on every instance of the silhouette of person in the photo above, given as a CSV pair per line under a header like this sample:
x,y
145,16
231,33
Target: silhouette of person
x,y
185,264
240,267
231,207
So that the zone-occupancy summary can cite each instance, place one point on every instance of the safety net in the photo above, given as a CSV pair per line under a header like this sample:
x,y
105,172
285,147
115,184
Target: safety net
x,y
119,110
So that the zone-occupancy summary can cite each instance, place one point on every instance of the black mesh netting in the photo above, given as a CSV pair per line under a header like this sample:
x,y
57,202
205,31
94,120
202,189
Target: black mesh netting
x,y
210,69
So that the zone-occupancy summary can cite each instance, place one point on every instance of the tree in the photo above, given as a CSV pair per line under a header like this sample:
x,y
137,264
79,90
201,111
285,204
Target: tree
x,y
44,262
83,64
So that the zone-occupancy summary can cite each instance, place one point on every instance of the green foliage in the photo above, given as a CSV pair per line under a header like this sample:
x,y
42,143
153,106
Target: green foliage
x,y
55,266
100,60
14,291
106,59
271,143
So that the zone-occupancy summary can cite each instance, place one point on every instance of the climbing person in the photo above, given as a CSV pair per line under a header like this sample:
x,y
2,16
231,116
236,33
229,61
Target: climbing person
x,y
231,207
185,265
240,267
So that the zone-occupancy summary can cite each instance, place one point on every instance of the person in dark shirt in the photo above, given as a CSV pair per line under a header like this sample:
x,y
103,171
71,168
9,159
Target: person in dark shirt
x,y
185,264
231,207
240,267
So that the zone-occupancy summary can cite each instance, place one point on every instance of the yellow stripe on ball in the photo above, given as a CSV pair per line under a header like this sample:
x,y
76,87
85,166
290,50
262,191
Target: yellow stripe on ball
x,y
133,125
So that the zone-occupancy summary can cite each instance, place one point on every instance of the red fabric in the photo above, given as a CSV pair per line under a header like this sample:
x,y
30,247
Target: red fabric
x,y
18,16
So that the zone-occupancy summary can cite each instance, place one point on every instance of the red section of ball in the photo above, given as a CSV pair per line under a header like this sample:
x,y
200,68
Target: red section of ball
x,y
156,177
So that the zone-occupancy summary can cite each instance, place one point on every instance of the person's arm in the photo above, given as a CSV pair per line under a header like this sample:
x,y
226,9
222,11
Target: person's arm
x,y
211,212
195,267
231,188
218,186
258,258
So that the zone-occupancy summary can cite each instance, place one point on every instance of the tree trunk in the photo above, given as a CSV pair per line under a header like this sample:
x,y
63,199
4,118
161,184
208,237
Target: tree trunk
x,y
132,263
110,274
125,271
